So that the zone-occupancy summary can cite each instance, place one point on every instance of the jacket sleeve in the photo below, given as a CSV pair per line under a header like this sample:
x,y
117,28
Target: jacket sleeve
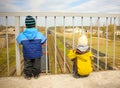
x,y
42,37
19,39
72,54
91,56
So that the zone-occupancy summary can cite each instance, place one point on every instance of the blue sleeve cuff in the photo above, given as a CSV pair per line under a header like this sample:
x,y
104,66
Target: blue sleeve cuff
x,y
18,39
43,38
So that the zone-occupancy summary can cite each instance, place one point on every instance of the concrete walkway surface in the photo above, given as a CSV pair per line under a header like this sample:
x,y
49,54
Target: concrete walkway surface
x,y
104,79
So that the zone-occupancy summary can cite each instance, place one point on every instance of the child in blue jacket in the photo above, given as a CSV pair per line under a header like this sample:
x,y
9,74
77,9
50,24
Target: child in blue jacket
x,y
31,41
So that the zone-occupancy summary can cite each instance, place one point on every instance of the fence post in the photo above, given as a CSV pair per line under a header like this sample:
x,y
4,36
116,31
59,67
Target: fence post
x,y
7,47
46,45
114,44
55,46
98,48
64,44
18,61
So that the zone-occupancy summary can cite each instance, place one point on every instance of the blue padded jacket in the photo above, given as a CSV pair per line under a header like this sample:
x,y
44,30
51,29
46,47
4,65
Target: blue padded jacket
x,y
32,41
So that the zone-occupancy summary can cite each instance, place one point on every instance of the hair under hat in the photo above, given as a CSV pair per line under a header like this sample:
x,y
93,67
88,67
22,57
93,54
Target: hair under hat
x,y
30,22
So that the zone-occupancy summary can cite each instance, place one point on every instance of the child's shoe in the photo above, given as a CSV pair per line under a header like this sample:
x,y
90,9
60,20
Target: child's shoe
x,y
27,77
36,76
75,75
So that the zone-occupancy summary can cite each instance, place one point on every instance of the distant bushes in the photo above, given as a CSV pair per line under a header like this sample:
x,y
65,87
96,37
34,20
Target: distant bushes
x,y
2,28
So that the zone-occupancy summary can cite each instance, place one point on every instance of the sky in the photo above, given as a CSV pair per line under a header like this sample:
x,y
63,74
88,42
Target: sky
x,y
93,6
79,6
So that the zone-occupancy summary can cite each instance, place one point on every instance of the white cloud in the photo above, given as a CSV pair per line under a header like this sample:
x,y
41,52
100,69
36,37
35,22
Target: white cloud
x,y
48,5
9,6
105,6
98,6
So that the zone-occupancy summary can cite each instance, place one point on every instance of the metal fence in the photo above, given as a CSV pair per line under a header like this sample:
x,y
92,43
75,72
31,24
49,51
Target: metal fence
x,y
107,19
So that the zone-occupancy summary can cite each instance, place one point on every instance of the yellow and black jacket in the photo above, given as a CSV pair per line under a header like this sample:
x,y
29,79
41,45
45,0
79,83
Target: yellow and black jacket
x,y
82,60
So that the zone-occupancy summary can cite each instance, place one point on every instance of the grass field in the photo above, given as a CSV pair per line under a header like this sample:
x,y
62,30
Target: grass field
x,y
68,37
102,44
3,59
102,47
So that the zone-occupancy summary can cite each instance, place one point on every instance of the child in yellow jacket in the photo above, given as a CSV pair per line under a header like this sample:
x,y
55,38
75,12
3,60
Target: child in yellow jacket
x,y
81,57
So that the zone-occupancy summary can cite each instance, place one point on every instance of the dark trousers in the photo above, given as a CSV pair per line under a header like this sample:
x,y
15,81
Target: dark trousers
x,y
32,67
75,67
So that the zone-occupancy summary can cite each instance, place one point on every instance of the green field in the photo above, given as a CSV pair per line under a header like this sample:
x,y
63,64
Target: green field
x,y
68,37
3,59
102,47
102,44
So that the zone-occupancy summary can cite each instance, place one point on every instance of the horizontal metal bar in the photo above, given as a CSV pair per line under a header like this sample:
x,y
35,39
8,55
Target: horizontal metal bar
x,y
59,14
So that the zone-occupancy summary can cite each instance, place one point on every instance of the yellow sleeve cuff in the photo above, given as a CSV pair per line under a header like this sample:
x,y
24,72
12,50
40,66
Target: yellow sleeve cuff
x,y
72,54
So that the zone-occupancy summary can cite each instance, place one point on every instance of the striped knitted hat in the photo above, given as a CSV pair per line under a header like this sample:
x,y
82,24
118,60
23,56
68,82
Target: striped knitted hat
x,y
30,22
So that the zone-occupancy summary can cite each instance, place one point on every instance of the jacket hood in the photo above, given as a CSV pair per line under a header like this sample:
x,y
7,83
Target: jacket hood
x,y
30,33
82,48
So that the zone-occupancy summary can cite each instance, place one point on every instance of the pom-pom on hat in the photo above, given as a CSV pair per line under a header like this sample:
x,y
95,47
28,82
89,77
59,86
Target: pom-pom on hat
x,y
83,40
30,22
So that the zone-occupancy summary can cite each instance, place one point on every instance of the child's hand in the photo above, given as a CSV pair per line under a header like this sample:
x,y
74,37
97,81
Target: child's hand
x,y
71,54
92,57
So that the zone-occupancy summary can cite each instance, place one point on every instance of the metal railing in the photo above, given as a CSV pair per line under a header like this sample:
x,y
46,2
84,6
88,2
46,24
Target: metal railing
x,y
46,15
